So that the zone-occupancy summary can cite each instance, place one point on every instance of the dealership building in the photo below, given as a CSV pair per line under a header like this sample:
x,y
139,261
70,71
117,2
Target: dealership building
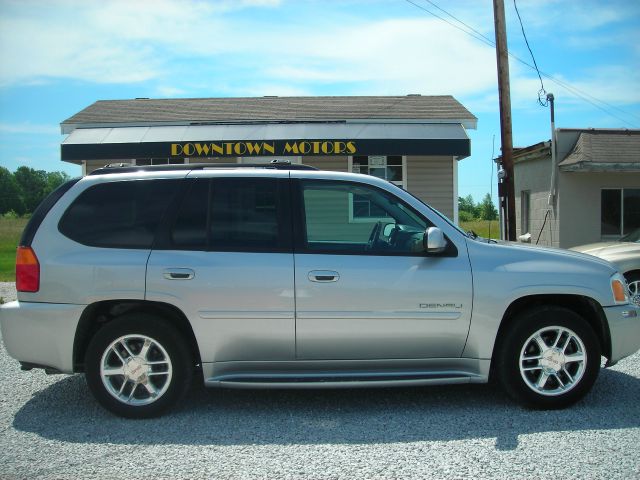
x,y
413,141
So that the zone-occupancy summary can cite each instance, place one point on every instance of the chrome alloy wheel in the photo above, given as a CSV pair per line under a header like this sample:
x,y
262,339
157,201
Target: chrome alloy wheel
x,y
136,369
553,361
634,292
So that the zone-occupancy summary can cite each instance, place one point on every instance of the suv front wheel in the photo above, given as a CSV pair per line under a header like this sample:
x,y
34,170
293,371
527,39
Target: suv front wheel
x,y
549,358
138,366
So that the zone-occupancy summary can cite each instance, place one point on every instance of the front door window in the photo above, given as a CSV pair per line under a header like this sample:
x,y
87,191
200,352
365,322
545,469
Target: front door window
x,y
391,227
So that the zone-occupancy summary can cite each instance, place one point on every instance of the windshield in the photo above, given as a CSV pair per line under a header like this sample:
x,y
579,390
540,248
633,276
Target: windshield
x,y
633,236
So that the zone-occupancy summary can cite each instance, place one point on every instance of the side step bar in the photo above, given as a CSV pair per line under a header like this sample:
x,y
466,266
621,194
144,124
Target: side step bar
x,y
339,380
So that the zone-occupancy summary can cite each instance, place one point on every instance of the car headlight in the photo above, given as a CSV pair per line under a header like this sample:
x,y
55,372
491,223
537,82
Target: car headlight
x,y
619,289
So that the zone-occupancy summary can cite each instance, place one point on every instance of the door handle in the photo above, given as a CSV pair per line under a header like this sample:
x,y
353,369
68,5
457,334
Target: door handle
x,y
178,274
323,276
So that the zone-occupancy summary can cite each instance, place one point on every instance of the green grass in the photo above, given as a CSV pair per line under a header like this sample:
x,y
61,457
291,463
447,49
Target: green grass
x,y
10,231
481,227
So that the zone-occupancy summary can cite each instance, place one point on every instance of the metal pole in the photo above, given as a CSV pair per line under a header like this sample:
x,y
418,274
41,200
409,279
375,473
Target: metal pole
x,y
552,187
502,56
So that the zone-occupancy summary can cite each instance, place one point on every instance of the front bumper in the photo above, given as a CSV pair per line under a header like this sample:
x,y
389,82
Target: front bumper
x,y
624,328
41,333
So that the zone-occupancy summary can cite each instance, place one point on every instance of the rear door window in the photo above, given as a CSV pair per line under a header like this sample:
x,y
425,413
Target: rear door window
x,y
234,214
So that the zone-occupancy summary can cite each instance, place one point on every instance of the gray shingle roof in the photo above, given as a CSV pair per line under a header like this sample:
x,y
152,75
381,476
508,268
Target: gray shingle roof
x,y
604,147
261,109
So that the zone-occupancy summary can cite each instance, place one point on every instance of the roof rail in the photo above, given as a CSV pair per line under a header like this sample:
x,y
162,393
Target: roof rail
x,y
128,168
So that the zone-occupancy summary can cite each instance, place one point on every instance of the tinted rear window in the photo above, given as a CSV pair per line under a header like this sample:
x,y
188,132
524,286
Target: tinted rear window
x,y
234,214
119,214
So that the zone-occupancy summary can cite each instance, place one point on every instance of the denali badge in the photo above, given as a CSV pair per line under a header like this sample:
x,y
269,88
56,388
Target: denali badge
x,y
440,305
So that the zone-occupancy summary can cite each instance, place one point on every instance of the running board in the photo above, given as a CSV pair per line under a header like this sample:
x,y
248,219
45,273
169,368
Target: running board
x,y
340,380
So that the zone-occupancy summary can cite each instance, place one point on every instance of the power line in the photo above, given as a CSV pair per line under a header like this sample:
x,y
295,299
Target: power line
x,y
587,97
477,35
542,94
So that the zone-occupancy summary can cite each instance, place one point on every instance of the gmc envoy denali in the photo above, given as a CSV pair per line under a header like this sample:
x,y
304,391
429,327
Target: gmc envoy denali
x,y
285,276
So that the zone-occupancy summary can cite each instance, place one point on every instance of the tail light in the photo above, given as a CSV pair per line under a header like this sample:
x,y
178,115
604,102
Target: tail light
x,y
27,270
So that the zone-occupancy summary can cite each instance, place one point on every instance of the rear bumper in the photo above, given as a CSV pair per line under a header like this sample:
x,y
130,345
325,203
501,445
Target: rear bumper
x,y
41,333
624,327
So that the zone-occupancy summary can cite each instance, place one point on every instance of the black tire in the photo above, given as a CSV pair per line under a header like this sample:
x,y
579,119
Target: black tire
x,y
568,379
171,368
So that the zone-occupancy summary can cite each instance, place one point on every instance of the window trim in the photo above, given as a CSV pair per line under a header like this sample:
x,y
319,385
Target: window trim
x,y
525,214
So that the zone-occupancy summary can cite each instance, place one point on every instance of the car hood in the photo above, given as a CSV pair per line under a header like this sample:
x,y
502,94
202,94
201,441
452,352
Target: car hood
x,y
519,252
610,249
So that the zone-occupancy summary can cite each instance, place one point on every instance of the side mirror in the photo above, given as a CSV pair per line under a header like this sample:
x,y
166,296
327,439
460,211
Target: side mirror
x,y
434,241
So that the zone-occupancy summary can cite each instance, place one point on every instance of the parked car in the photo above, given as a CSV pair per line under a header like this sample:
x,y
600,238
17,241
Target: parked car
x,y
285,276
625,255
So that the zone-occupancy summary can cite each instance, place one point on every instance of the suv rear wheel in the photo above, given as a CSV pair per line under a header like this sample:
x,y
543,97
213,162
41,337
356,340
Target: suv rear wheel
x,y
138,365
549,358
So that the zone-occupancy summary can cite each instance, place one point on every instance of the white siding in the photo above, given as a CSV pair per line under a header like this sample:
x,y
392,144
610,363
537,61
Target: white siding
x,y
334,164
431,180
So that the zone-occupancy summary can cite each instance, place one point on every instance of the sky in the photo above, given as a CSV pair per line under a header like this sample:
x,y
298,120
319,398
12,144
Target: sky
x,y
59,56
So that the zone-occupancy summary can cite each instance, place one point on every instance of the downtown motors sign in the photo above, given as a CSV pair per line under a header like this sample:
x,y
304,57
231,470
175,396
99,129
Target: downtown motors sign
x,y
263,148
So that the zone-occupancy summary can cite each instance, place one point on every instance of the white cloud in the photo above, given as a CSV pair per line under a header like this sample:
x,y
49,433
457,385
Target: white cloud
x,y
29,128
169,91
115,41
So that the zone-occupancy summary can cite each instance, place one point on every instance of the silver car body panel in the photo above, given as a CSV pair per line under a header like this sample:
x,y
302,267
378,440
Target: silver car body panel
x,y
40,333
624,328
240,305
383,307
504,273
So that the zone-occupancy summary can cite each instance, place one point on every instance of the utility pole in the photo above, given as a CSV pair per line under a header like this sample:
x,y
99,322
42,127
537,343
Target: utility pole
x,y
502,55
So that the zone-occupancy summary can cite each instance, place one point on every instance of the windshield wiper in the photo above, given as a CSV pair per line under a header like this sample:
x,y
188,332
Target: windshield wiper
x,y
471,234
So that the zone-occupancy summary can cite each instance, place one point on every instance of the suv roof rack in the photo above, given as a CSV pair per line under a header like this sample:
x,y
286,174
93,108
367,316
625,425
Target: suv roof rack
x,y
128,168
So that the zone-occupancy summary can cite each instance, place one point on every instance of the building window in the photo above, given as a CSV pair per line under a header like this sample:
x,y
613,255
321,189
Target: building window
x,y
159,161
619,211
525,209
268,159
388,167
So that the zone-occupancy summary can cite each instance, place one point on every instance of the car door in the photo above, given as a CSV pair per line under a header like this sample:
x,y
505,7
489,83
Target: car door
x,y
365,289
225,260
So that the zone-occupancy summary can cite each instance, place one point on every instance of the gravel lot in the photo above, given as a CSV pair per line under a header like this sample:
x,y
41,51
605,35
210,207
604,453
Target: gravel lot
x,y
50,427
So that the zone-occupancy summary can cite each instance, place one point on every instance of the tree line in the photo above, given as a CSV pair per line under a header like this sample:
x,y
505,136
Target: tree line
x,y
468,210
23,190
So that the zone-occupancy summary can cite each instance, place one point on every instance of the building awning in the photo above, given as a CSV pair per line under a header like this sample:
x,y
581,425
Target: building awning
x,y
270,139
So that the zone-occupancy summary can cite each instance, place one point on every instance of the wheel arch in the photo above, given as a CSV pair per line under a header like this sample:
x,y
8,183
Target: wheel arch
x,y
586,307
98,314
634,272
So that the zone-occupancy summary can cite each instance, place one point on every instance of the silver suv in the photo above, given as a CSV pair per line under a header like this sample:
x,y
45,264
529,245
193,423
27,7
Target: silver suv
x,y
285,276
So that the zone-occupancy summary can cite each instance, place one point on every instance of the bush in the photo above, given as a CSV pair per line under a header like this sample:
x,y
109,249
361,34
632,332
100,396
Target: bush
x,y
465,216
11,215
